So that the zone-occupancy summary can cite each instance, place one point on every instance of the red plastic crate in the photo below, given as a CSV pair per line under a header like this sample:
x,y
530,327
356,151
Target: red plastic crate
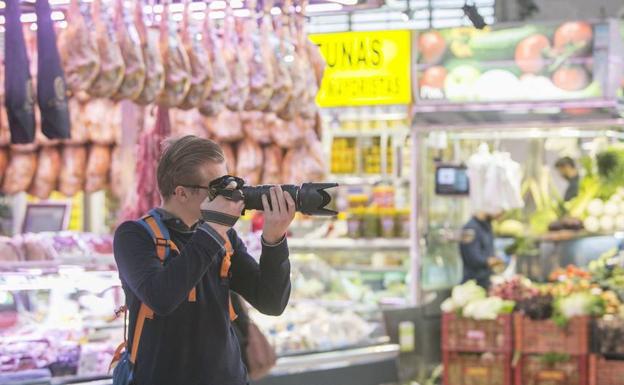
x,y
546,337
468,335
531,369
477,368
605,372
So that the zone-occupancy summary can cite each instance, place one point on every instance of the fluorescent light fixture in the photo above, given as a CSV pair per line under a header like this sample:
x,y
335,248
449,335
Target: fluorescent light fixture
x,y
276,11
219,4
2,5
58,15
28,18
242,13
176,7
324,7
217,15
344,2
198,15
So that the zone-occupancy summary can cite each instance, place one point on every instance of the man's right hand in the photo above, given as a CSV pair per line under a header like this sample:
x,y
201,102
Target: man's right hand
x,y
494,261
224,206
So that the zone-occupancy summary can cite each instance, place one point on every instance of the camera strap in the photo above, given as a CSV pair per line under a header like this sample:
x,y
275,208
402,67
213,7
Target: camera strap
x,y
219,218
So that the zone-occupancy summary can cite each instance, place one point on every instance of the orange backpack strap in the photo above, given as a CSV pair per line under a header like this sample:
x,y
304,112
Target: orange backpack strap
x,y
144,313
225,271
164,245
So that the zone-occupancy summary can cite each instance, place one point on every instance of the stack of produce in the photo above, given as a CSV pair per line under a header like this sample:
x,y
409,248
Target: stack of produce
x,y
476,337
552,321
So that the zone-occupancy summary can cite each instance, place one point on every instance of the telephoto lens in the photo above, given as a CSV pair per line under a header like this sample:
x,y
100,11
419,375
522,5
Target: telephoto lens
x,y
310,198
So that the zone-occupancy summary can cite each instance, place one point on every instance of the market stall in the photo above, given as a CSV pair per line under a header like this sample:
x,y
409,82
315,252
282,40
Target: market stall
x,y
495,109
479,102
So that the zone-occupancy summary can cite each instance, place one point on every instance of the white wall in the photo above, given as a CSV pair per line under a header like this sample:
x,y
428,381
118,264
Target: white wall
x,y
507,10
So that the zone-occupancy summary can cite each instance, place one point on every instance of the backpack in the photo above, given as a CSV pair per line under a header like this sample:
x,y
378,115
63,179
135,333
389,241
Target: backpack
x,y
123,360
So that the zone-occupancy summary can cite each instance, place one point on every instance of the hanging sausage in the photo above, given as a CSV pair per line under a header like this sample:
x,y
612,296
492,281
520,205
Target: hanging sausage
x,y
51,90
19,92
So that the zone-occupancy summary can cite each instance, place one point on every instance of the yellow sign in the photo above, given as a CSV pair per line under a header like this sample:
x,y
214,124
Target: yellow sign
x,y
365,68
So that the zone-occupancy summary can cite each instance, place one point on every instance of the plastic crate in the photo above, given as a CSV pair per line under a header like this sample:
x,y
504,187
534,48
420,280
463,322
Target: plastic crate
x,y
533,369
477,368
605,372
606,337
468,335
546,337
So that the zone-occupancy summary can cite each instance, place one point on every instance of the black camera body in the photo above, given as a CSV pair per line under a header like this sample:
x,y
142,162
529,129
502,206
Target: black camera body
x,y
310,198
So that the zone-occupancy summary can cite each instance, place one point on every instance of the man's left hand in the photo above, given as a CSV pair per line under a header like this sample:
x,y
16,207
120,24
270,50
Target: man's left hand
x,y
278,215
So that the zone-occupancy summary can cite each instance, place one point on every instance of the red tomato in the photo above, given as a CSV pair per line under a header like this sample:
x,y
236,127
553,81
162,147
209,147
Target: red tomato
x,y
434,77
432,46
570,78
573,32
529,53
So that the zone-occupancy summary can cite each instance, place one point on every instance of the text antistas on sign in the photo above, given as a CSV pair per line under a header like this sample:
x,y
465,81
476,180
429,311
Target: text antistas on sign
x,y
365,68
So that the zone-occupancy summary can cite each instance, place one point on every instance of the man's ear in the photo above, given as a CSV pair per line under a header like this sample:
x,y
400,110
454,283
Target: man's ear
x,y
181,193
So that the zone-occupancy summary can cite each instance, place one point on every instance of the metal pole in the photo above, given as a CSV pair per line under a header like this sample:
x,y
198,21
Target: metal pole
x,y
415,227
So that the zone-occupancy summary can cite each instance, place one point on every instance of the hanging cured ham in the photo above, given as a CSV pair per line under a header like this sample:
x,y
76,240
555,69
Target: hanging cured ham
x,y
98,168
308,106
147,195
237,60
18,86
130,44
297,71
249,162
282,87
21,169
72,180
215,102
4,162
256,127
51,90
176,64
78,51
187,123
230,157
199,60
78,118
226,127
48,171
112,67
154,69
272,170
260,64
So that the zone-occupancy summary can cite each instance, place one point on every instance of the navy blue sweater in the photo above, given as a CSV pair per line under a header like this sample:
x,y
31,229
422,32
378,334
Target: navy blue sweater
x,y
194,343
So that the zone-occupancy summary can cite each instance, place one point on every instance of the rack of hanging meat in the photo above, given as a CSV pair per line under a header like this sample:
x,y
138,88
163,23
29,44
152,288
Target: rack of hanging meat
x,y
122,74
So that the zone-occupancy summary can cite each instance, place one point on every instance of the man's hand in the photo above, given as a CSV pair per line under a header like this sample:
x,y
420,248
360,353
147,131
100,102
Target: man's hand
x,y
224,206
278,215
495,263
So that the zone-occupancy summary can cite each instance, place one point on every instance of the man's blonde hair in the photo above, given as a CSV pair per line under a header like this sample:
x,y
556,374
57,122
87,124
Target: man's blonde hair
x,y
180,162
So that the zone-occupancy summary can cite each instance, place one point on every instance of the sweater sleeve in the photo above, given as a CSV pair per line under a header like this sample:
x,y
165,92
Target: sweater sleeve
x,y
163,287
266,286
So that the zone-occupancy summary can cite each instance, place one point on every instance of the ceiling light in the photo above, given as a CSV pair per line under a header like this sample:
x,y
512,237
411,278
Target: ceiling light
x,y
324,7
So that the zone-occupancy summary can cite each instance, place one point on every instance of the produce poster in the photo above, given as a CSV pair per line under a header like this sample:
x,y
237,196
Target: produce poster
x,y
527,63
365,68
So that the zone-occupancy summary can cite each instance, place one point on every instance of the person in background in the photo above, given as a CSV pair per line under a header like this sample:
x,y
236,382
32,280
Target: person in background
x,y
477,249
568,171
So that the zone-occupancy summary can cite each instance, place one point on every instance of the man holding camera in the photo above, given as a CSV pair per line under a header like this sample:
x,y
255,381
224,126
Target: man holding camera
x,y
181,303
